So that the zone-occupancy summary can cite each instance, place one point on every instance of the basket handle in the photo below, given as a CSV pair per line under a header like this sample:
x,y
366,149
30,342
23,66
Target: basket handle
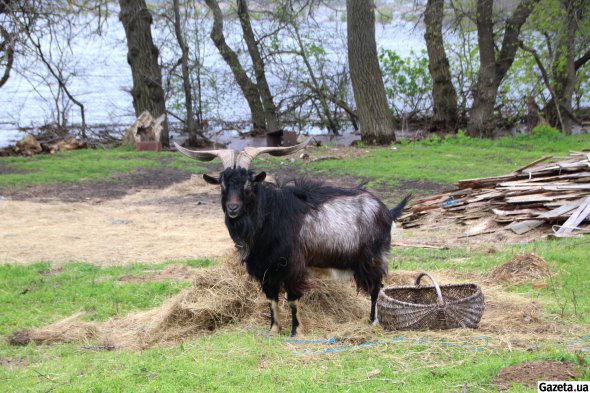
x,y
440,301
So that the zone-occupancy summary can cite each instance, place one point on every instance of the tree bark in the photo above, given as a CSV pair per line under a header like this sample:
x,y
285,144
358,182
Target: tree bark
x,y
444,96
142,56
249,89
186,83
6,54
270,110
492,68
376,122
564,68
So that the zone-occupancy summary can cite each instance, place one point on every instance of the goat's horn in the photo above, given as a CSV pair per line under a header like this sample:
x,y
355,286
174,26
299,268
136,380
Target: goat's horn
x,y
247,155
227,156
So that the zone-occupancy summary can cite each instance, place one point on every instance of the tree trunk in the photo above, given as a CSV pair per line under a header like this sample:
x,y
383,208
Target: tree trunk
x,y
6,52
249,89
564,68
142,56
270,110
367,83
492,68
186,83
444,96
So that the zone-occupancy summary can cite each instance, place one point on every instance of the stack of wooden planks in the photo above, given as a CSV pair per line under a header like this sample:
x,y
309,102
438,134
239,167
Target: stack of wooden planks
x,y
550,190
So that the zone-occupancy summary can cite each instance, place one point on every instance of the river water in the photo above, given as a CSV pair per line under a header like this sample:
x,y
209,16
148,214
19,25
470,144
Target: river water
x,y
102,78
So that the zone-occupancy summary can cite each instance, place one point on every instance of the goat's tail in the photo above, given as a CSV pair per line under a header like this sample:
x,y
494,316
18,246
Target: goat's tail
x,y
396,212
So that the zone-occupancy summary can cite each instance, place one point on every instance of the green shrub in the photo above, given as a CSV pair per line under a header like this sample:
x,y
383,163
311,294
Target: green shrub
x,y
545,131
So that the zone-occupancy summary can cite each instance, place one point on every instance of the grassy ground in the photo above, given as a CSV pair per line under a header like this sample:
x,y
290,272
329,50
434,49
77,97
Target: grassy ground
x,y
80,165
441,161
233,359
451,160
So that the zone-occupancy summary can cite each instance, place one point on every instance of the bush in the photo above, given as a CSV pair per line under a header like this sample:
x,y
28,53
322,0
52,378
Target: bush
x,y
547,132
407,82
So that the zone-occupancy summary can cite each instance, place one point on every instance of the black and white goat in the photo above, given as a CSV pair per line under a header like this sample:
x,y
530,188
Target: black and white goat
x,y
281,231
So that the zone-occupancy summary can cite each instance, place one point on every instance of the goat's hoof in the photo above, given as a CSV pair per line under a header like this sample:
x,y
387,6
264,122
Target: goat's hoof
x,y
275,330
297,334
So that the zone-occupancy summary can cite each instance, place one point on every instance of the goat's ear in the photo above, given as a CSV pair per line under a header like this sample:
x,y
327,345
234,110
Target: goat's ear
x,y
259,178
210,179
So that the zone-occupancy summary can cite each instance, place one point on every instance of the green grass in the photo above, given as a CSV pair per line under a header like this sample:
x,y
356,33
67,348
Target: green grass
x,y
451,160
87,164
568,294
34,295
234,359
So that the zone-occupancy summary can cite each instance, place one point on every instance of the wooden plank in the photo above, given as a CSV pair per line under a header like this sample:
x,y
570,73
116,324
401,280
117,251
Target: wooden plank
x,y
561,210
504,213
524,226
546,197
533,163
567,187
506,219
487,195
576,219
414,245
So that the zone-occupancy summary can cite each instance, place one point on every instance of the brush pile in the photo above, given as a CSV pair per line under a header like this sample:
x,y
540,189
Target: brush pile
x,y
546,191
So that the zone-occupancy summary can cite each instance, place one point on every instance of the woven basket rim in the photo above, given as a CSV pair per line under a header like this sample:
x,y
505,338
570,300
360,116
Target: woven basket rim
x,y
475,294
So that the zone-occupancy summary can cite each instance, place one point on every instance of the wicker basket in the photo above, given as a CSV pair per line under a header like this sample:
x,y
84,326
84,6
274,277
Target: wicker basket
x,y
432,307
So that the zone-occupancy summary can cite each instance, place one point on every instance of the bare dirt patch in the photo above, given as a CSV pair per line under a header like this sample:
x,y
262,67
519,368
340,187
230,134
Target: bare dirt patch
x,y
522,268
527,374
183,221
10,363
116,187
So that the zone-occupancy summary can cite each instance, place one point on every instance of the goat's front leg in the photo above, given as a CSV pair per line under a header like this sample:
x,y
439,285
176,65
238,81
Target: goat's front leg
x,y
272,294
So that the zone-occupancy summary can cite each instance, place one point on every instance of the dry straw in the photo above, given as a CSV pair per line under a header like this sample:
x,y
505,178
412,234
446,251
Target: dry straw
x,y
224,295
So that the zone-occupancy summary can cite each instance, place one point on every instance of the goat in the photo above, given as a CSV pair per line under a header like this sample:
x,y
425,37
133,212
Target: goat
x,y
281,231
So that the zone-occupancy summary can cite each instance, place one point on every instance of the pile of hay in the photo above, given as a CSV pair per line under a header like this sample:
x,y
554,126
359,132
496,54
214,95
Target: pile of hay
x,y
220,296
522,268
225,295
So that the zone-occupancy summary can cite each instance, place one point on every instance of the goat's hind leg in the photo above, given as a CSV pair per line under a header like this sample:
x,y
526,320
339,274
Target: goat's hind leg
x,y
374,295
296,325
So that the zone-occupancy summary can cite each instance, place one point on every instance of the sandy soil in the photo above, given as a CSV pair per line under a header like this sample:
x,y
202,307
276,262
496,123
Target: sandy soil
x,y
131,219
183,221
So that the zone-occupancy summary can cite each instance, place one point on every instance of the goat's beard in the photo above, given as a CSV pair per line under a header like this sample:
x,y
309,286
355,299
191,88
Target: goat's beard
x,y
241,230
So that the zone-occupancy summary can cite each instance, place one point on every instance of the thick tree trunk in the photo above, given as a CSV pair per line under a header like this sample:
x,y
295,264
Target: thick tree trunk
x,y
444,96
270,110
186,83
367,83
249,89
142,56
492,68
